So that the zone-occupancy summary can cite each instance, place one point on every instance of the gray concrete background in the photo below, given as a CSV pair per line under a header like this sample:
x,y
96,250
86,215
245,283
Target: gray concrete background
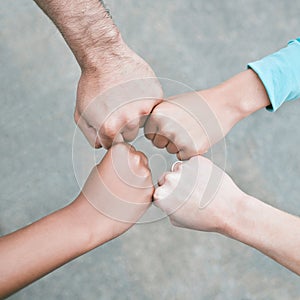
x,y
200,43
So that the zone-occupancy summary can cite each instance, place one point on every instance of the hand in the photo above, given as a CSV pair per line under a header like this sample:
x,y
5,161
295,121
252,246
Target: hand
x,y
189,124
120,189
182,198
180,124
114,99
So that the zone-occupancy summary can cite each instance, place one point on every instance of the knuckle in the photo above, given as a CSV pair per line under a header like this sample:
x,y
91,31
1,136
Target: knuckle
x,y
202,148
158,194
132,123
142,156
168,132
170,177
146,109
108,129
136,158
120,148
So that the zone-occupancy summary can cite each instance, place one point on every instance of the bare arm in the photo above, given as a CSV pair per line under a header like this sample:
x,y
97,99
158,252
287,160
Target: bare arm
x,y
271,231
103,111
86,27
231,212
31,252
178,123
43,246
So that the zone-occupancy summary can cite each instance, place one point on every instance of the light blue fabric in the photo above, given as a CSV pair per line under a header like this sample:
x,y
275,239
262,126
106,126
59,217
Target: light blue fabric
x,y
280,74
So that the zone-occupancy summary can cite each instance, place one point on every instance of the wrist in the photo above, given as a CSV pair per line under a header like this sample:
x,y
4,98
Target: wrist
x,y
246,93
228,214
247,221
238,97
233,221
95,58
90,226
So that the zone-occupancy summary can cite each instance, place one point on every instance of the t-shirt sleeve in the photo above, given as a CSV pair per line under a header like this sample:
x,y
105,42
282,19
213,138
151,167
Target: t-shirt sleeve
x,y
280,74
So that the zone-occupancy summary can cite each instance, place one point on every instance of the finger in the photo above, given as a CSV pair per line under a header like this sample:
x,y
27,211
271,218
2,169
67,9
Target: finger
x,y
131,130
160,141
184,155
162,179
171,148
150,129
108,130
177,166
108,142
90,133
162,200
143,120
144,158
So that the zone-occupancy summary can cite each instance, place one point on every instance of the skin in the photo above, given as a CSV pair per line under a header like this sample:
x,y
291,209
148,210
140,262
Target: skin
x,y
231,212
35,250
189,124
109,68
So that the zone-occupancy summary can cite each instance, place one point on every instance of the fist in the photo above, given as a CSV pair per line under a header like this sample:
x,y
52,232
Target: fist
x,y
114,100
185,125
120,187
197,195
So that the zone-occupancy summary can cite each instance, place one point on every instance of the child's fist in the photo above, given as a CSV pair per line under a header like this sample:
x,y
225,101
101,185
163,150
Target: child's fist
x,y
197,195
120,187
185,125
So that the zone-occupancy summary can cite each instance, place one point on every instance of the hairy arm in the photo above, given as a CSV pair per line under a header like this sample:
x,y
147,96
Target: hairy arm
x,y
117,89
86,27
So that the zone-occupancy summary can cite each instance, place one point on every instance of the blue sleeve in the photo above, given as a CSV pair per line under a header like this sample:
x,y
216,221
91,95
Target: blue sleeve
x,y
280,74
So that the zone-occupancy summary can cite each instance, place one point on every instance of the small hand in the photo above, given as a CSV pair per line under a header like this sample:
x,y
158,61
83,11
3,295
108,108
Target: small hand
x,y
181,195
186,125
120,188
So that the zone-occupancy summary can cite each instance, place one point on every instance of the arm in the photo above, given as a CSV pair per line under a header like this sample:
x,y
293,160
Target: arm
x,y
188,124
86,27
43,246
231,212
33,251
106,62
271,231
191,123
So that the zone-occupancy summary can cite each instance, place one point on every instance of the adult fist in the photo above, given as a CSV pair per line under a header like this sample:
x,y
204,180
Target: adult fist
x,y
120,186
114,99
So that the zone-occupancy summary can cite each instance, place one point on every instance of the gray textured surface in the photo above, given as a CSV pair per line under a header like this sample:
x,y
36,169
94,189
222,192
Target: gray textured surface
x,y
199,43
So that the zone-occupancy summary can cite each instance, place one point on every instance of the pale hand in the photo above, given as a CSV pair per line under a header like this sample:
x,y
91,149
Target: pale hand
x,y
180,194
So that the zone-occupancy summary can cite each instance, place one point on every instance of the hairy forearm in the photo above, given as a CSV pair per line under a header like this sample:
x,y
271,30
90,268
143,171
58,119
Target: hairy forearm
x,y
87,28
269,230
31,252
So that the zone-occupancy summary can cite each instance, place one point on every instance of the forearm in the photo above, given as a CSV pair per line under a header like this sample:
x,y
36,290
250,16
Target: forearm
x,y
269,230
32,252
238,97
87,28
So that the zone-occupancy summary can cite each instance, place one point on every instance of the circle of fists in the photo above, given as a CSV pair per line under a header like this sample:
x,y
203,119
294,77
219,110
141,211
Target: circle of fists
x,y
121,186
